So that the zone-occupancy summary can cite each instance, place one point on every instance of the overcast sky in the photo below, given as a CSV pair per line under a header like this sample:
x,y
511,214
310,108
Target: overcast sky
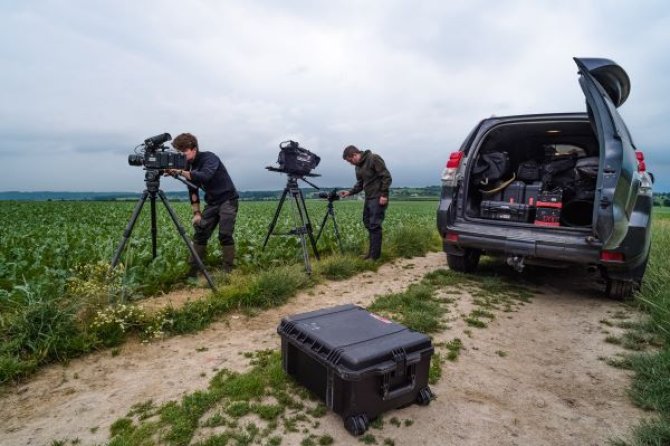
x,y
83,82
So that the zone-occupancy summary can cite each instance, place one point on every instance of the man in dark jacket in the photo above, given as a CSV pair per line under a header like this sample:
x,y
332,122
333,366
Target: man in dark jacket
x,y
374,179
207,172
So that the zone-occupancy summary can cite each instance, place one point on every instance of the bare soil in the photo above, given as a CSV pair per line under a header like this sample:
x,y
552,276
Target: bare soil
x,y
535,376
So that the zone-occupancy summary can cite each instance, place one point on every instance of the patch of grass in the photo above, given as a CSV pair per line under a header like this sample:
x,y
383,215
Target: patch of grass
x,y
613,340
412,241
651,386
501,353
435,371
454,346
474,322
339,267
368,439
236,394
416,308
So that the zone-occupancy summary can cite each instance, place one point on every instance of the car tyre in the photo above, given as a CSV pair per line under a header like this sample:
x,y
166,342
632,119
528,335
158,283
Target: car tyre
x,y
619,289
466,263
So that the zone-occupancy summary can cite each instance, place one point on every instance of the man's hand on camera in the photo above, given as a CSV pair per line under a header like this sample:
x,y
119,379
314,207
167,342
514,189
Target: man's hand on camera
x,y
343,193
383,201
196,218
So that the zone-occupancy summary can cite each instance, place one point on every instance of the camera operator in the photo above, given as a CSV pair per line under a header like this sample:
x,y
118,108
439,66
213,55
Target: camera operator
x,y
374,178
208,173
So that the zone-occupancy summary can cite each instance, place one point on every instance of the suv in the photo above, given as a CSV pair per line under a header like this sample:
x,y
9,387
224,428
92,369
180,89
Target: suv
x,y
553,189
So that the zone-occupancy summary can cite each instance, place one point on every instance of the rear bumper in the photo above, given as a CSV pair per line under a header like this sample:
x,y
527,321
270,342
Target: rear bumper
x,y
555,246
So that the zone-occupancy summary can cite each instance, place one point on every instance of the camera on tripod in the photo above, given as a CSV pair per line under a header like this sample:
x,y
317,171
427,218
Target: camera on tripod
x,y
153,155
296,160
330,195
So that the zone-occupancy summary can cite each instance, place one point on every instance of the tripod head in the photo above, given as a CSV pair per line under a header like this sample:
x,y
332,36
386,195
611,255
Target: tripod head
x,y
152,178
294,177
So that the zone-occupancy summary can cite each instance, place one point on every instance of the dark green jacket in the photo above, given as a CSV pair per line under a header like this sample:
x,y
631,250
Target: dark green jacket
x,y
372,176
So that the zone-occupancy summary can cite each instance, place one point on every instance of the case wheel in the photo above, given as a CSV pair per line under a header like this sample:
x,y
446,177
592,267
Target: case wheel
x,y
356,424
466,263
424,396
619,289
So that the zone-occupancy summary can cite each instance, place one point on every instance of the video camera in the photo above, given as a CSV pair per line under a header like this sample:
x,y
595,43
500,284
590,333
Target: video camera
x,y
330,195
153,155
296,160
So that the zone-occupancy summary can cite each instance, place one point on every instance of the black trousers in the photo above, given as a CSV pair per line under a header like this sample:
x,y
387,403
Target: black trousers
x,y
225,215
373,217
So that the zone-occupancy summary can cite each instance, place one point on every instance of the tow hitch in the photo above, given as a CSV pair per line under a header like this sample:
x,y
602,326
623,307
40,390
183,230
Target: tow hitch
x,y
516,262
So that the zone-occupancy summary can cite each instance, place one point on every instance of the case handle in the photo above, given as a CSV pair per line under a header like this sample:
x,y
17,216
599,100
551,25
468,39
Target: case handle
x,y
389,394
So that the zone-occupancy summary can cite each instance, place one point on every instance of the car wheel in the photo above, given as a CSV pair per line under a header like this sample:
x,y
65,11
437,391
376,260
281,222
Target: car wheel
x,y
466,263
619,289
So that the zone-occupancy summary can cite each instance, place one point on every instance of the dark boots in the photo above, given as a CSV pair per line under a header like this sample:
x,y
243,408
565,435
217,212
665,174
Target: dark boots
x,y
227,257
375,245
201,250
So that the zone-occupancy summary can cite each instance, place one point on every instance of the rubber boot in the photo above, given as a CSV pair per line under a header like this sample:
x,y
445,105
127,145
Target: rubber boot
x,y
201,250
375,245
227,257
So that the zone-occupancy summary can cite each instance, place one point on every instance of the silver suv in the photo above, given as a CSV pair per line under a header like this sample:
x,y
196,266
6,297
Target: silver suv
x,y
553,189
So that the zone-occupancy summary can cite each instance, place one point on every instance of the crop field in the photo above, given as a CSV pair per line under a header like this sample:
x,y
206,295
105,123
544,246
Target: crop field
x,y
55,258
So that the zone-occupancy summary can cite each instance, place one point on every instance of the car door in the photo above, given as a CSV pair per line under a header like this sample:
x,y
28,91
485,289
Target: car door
x,y
606,86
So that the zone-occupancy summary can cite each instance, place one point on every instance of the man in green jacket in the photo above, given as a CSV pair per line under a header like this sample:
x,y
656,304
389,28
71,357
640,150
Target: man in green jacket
x,y
374,179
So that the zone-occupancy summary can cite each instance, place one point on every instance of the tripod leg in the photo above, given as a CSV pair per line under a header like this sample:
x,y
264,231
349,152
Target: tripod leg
x,y
154,230
308,226
129,228
301,229
331,211
182,232
274,220
323,224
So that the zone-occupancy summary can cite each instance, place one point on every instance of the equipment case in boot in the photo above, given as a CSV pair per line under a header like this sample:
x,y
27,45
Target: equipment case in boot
x,y
359,363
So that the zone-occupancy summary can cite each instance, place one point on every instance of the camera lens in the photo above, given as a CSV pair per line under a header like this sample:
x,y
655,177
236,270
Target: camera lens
x,y
135,160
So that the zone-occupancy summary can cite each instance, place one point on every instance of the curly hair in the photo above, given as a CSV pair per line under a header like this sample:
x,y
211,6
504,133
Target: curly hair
x,y
185,141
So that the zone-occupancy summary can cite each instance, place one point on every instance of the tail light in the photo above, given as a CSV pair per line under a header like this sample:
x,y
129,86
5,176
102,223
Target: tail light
x,y
451,237
641,165
449,172
611,256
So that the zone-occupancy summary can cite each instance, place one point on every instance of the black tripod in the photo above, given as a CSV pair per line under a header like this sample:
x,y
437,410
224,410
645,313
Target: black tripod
x,y
331,212
152,180
303,224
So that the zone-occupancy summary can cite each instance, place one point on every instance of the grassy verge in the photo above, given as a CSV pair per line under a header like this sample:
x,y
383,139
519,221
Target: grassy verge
x,y
651,385
36,331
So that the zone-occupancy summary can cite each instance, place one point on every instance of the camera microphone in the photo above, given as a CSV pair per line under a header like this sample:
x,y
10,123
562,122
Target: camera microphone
x,y
157,140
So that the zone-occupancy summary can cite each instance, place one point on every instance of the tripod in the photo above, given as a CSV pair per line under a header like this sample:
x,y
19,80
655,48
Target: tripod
x,y
152,180
303,227
330,212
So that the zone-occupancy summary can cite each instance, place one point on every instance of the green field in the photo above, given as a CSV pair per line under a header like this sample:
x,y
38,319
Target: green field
x,y
55,256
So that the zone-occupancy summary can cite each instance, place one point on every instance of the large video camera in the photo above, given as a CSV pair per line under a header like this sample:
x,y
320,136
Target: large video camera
x,y
330,195
295,160
153,155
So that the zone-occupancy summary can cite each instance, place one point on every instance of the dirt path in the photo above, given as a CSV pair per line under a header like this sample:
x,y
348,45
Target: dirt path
x,y
533,377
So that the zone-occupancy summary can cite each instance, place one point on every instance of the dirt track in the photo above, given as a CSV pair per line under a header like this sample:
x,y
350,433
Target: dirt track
x,y
533,377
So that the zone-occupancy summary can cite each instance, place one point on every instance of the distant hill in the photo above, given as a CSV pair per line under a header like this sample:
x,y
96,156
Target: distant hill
x,y
403,193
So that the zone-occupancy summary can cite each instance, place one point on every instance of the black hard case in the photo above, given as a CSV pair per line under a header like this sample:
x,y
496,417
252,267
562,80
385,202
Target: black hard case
x,y
359,363
502,210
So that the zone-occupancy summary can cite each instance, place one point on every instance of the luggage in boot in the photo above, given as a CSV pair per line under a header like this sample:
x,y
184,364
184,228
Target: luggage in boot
x,y
358,363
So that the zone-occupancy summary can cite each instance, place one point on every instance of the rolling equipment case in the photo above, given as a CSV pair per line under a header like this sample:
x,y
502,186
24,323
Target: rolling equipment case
x,y
359,363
